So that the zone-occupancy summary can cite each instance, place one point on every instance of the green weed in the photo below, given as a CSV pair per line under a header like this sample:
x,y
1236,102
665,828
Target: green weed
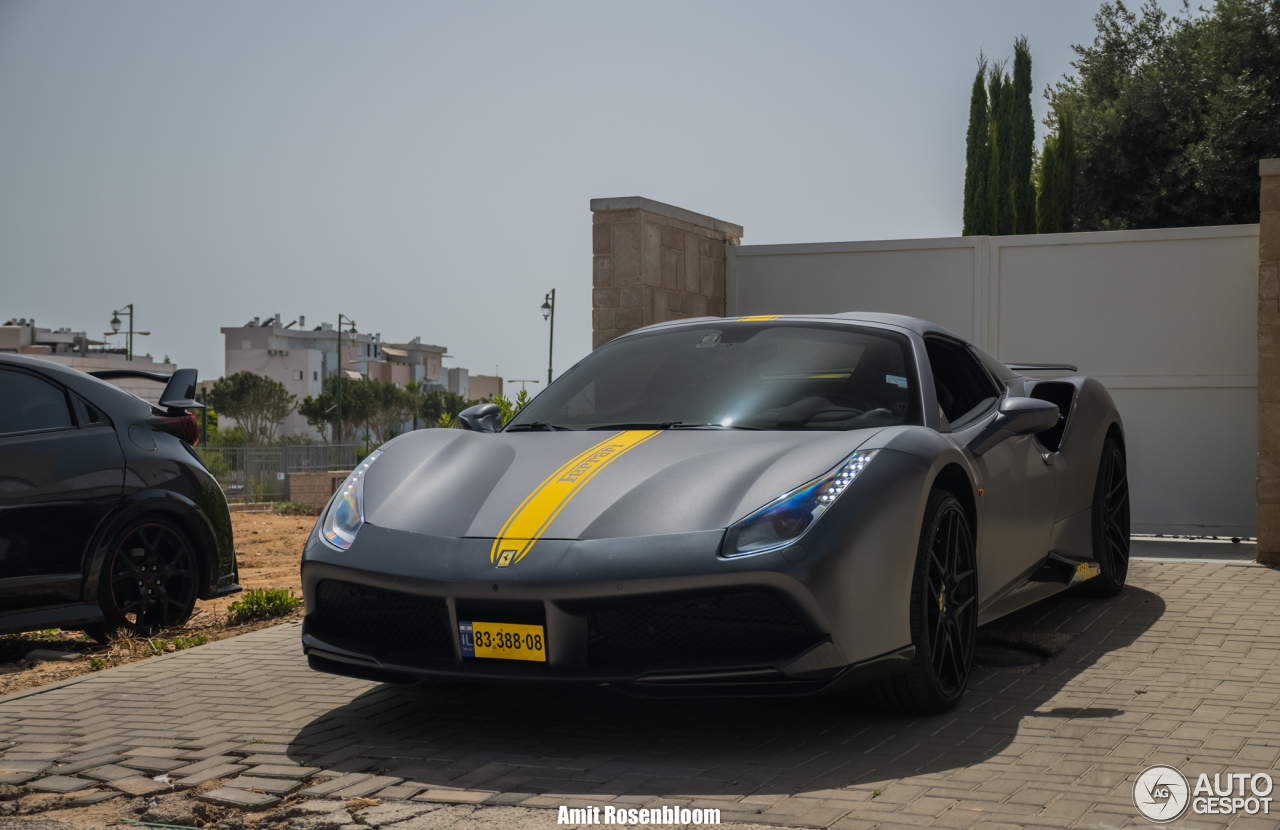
x,y
262,604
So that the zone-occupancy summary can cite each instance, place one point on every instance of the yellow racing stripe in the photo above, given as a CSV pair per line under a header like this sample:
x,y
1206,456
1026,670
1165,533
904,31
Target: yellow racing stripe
x,y
759,318
540,507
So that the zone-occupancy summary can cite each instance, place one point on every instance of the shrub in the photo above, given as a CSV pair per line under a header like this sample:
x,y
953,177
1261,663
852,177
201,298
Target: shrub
x,y
262,604
97,664
292,508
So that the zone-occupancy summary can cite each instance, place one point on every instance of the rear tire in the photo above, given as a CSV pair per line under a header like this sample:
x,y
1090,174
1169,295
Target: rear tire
x,y
1110,524
944,614
148,582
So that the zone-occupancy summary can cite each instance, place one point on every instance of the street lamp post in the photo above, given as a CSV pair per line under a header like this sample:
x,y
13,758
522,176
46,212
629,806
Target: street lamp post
x,y
521,382
549,313
115,328
342,378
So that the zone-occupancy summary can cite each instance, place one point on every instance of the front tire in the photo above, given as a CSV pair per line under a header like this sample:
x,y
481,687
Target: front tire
x,y
149,580
944,613
1110,523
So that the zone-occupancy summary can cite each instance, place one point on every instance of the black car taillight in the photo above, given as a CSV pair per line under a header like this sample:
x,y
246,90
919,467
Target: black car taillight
x,y
179,426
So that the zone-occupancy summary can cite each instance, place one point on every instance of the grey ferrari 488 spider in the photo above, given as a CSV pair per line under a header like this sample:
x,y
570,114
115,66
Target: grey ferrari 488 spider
x,y
761,505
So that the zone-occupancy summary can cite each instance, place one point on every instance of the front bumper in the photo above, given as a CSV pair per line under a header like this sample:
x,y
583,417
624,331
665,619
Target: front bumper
x,y
658,616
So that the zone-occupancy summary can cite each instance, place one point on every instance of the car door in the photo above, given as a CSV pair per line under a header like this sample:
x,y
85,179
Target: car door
x,y
61,474
1019,490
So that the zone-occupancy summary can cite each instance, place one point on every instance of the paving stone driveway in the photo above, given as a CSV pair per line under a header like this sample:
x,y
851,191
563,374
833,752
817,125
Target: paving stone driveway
x,y
1183,668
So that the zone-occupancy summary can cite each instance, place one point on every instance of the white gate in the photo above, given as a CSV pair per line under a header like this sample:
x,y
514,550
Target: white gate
x,y
1167,319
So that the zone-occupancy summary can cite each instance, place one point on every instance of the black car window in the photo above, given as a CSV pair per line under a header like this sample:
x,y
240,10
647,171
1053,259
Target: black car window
x,y
29,404
770,375
89,415
964,388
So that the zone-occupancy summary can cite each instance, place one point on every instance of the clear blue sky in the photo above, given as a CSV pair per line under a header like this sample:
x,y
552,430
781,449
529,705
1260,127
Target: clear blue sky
x,y
426,168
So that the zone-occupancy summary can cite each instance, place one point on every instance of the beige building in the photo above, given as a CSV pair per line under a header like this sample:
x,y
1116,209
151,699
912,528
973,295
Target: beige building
x,y
301,358
485,387
75,349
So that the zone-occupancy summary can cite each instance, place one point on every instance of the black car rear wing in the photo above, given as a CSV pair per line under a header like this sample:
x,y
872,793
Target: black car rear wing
x,y
179,391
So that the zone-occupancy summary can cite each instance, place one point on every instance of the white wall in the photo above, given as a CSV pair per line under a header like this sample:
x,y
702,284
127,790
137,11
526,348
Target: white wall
x,y
1167,319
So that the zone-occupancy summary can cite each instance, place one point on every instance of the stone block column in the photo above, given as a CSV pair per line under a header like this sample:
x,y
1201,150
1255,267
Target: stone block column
x,y
1268,492
652,263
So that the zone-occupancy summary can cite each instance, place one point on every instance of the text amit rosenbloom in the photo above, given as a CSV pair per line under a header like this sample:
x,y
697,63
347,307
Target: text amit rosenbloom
x,y
623,815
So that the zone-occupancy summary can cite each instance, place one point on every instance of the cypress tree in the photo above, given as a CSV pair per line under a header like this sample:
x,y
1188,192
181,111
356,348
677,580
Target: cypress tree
x,y
1000,189
995,144
1022,140
977,159
1007,221
1066,171
1046,216
1056,206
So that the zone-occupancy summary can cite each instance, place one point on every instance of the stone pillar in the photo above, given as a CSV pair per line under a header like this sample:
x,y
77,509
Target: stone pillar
x,y
654,262
1268,492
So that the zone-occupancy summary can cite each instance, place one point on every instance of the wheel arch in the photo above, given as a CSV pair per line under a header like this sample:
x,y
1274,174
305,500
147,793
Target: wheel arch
x,y
1115,431
163,504
955,480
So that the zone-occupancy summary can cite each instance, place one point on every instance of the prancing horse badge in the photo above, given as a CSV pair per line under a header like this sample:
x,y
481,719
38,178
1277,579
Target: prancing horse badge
x,y
504,558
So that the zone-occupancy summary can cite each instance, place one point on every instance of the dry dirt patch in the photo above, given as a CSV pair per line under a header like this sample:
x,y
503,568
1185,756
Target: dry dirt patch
x,y
269,551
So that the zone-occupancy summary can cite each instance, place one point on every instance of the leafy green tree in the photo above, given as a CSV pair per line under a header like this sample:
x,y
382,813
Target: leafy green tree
x,y
358,405
1022,139
393,407
977,207
1172,114
258,404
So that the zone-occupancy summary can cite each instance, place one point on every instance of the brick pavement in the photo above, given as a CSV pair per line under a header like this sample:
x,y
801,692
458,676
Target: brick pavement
x,y
1183,668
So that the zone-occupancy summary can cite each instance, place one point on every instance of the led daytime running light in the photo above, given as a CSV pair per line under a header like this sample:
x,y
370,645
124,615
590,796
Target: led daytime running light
x,y
787,518
345,515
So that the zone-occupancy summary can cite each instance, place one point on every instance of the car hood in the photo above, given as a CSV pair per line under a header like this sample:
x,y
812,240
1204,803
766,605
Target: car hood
x,y
590,484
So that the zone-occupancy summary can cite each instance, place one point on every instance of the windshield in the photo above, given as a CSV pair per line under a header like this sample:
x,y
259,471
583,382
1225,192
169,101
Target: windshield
x,y
737,375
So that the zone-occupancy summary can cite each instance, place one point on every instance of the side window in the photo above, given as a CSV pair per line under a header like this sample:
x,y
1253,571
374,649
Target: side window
x,y
29,404
964,388
89,415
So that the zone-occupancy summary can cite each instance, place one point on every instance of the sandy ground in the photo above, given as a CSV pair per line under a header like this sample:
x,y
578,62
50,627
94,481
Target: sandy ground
x,y
269,549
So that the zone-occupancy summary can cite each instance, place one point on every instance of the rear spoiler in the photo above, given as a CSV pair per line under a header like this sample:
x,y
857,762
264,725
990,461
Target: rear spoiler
x,y
1042,367
179,391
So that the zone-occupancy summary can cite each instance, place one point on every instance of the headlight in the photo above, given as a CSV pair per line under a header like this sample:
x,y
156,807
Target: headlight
x,y
788,517
346,512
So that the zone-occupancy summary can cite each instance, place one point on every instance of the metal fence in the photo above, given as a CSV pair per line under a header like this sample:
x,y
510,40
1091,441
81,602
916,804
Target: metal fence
x,y
253,474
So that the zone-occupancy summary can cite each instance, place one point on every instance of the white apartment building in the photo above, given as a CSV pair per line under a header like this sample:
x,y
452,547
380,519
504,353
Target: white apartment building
x,y
301,358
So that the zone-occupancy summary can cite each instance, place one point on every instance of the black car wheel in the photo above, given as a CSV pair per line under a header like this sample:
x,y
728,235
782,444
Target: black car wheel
x,y
148,581
1110,523
944,613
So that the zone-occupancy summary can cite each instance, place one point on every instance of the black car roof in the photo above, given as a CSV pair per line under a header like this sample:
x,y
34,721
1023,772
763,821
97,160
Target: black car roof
x,y
81,382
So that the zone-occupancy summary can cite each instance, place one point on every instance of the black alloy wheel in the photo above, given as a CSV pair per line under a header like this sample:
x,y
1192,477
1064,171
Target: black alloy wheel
x,y
1110,523
944,613
951,606
149,581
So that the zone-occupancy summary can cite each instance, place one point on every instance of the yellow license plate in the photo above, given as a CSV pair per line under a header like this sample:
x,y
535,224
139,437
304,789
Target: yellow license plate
x,y
504,641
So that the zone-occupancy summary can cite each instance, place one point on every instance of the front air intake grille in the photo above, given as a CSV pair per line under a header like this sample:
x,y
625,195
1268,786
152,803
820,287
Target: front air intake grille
x,y
382,623
743,628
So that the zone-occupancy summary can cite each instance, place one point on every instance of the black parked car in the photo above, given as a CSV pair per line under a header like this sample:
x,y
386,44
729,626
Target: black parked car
x,y
108,518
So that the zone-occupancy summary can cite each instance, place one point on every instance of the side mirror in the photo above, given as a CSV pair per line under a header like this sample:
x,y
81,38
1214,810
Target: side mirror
x,y
485,417
1017,416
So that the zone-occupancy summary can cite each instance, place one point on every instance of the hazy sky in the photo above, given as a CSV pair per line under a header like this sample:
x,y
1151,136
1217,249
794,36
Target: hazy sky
x,y
426,168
